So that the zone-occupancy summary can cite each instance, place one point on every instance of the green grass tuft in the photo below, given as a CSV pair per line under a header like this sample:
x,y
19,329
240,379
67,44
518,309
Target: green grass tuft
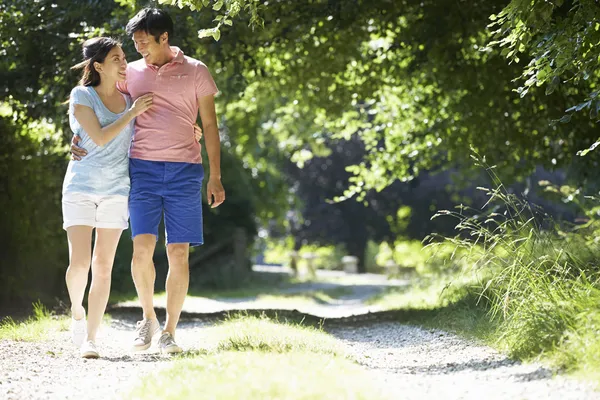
x,y
36,328
249,333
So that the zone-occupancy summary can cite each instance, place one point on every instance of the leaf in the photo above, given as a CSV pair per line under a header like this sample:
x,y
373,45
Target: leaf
x,y
218,5
594,110
566,118
582,153
204,33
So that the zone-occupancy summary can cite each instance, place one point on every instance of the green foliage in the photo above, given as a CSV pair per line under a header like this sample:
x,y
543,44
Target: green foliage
x,y
258,358
560,39
434,258
415,81
228,11
322,257
34,251
543,281
38,327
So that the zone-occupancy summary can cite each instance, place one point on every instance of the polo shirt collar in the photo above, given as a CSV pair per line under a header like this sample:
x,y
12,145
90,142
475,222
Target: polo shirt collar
x,y
178,55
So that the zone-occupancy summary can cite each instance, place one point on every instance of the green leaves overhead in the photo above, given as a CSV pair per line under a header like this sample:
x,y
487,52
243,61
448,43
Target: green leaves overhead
x,y
416,80
228,11
558,38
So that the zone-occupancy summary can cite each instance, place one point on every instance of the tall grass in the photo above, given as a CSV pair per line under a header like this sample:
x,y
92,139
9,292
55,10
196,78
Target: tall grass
x,y
543,286
41,325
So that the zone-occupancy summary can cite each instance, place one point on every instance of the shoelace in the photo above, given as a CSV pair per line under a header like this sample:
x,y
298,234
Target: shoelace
x,y
167,340
144,327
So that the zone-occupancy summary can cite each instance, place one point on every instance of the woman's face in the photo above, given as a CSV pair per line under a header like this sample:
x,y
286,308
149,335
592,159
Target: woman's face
x,y
114,65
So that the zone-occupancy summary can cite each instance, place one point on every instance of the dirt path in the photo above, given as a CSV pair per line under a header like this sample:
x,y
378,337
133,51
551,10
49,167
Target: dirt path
x,y
409,362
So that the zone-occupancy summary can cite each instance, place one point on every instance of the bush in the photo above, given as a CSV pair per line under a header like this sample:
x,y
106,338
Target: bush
x,y
543,288
34,253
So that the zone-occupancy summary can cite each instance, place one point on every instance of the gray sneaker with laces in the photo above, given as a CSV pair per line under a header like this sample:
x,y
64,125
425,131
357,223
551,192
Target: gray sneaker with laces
x,y
167,344
144,332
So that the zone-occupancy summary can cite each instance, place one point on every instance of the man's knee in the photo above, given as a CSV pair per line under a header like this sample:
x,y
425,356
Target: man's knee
x,y
178,254
143,250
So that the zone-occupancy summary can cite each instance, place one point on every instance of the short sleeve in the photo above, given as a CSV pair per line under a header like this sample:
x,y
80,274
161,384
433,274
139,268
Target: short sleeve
x,y
205,85
81,95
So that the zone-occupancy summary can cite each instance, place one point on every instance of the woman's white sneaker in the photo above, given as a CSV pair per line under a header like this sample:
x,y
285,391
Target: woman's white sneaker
x,y
78,330
88,350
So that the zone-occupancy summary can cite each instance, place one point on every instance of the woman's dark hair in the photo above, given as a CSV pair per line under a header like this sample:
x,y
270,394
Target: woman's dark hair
x,y
94,50
153,21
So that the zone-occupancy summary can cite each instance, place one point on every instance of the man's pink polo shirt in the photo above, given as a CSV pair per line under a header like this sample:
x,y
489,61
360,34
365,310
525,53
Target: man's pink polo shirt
x,y
165,132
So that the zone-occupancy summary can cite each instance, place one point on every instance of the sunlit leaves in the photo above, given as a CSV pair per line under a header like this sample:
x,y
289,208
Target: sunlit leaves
x,y
559,38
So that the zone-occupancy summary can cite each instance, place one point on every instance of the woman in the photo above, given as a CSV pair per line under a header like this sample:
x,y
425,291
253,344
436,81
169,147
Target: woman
x,y
96,189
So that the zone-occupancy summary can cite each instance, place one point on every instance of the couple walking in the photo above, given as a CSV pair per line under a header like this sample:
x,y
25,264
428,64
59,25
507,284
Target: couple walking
x,y
136,155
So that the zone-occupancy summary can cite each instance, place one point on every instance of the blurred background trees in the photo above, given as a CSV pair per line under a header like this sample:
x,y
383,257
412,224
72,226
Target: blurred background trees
x,y
343,123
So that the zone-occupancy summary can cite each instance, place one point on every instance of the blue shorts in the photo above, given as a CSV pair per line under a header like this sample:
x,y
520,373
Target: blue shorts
x,y
172,188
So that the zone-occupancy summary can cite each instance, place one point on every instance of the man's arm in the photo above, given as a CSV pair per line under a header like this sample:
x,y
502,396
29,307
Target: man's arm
x,y
212,141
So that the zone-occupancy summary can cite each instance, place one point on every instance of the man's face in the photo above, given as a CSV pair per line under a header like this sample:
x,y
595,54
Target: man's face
x,y
147,46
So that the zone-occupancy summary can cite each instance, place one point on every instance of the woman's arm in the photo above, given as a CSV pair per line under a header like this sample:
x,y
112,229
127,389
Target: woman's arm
x,y
102,135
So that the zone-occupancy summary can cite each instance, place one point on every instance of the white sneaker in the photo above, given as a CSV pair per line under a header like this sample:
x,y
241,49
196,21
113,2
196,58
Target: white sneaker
x,y
145,331
167,344
88,350
78,330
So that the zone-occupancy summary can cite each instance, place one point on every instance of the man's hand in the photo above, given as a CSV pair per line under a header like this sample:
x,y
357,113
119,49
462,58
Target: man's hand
x,y
76,151
197,132
215,189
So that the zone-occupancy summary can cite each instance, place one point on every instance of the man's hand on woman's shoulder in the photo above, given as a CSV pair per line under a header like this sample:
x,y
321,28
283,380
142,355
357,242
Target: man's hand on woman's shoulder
x,y
77,152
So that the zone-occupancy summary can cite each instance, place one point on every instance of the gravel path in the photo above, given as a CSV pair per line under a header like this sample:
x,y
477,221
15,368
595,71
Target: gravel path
x,y
413,363
54,370
409,362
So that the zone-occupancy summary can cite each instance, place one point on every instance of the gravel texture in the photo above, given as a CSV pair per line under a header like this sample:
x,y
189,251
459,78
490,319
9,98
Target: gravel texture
x,y
407,361
54,370
414,363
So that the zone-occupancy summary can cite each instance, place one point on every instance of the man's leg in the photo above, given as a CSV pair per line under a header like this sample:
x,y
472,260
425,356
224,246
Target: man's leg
x,y
144,273
183,225
178,280
145,211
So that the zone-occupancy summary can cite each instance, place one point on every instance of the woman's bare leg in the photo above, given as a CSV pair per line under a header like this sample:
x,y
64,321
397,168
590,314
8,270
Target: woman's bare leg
x,y
102,264
80,253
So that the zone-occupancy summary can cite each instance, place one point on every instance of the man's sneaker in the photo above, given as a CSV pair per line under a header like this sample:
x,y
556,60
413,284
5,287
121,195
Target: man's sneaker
x,y
88,350
144,331
78,330
167,344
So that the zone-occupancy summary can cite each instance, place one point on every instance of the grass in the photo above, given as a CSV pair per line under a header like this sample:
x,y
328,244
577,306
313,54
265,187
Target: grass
x,y
532,287
242,333
258,375
258,358
36,328
448,301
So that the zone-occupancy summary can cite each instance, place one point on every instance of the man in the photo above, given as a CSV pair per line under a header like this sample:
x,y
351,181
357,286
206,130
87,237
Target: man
x,y
165,166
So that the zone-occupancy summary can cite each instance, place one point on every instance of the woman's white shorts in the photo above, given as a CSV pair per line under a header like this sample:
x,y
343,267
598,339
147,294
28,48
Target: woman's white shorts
x,y
98,211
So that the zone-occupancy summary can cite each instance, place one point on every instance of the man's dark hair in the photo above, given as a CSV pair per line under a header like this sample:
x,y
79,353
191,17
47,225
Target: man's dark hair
x,y
153,21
